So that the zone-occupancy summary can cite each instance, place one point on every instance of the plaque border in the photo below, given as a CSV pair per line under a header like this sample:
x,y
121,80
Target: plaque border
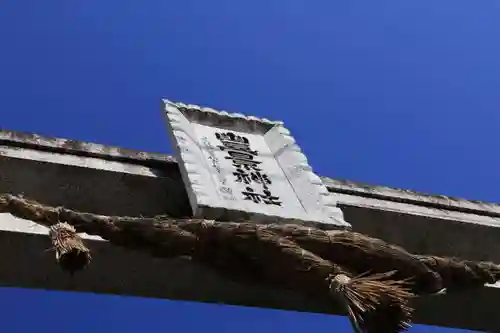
x,y
201,189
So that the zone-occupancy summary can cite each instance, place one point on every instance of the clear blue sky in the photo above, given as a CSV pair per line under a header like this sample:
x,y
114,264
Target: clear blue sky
x,y
398,93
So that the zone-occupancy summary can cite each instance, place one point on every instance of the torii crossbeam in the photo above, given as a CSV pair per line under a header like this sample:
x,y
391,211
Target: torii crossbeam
x,y
113,181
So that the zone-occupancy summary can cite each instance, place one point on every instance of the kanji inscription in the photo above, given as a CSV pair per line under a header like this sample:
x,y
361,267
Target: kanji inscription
x,y
246,165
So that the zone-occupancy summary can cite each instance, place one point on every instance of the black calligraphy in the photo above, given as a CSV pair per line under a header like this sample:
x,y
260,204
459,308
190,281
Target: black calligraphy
x,y
246,168
212,158
227,192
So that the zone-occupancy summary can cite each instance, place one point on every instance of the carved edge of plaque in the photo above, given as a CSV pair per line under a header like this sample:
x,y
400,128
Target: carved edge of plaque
x,y
209,110
319,203
314,195
185,143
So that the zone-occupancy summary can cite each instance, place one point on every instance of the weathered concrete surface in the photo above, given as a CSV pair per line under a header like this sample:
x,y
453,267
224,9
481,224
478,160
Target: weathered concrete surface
x,y
103,180
412,197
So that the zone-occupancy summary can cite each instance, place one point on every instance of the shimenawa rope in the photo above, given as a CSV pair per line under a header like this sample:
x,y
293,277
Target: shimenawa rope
x,y
373,280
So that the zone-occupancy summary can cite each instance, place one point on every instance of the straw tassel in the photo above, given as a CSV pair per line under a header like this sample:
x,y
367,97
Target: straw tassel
x,y
71,254
374,303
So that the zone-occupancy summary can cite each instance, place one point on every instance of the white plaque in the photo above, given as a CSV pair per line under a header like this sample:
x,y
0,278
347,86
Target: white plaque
x,y
245,168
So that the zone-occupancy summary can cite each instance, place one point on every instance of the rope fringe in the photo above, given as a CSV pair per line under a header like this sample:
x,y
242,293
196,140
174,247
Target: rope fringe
x,y
374,304
321,263
71,254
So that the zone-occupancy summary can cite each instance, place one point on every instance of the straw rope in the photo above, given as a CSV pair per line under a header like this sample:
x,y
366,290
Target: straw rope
x,y
373,280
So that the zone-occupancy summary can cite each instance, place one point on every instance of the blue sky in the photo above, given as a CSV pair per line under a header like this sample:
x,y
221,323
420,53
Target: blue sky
x,y
391,92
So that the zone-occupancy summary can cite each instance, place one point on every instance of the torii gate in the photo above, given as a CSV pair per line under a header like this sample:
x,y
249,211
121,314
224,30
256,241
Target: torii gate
x,y
115,181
